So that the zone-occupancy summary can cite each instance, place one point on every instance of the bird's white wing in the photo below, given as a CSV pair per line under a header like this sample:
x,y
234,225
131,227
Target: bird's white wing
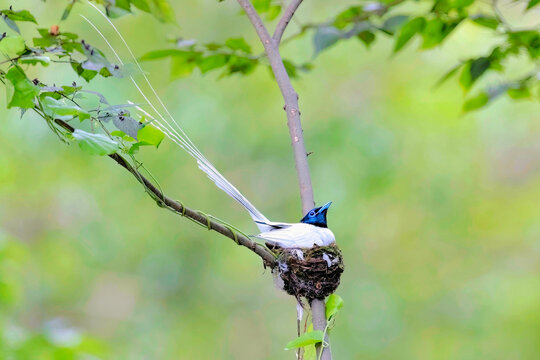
x,y
294,236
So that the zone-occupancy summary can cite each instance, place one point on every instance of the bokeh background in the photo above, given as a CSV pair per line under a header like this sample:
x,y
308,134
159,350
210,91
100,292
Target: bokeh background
x,y
436,212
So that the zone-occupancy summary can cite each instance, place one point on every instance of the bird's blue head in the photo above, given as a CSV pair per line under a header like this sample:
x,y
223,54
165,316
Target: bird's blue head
x,y
317,216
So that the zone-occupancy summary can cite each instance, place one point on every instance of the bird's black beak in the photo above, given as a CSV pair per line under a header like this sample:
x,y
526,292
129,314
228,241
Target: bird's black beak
x,y
324,208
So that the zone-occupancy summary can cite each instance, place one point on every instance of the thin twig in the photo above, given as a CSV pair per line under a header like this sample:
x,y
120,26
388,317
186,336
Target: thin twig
x,y
285,19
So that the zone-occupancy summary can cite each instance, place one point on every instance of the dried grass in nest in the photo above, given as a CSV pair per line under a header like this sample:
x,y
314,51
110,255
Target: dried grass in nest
x,y
311,273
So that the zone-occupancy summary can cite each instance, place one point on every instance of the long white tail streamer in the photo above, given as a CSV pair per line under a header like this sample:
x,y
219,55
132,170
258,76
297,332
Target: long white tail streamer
x,y
177,135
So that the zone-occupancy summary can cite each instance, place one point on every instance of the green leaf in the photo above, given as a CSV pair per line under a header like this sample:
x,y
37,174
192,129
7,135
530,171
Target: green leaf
x,y
324,37
436,30
95,144
212,62
519,92
486,21
392,24
240,64
23,15
476,102
84,73
57,108
348,16
12,46
24,90
183,64
238,44
34,60
163,11
472,71
334,303
67,10
141,5
11,24
305,339
367,37
407,31
149,135
532,3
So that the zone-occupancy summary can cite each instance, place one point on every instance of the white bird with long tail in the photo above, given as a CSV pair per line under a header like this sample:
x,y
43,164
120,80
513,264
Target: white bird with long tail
x,y
310,231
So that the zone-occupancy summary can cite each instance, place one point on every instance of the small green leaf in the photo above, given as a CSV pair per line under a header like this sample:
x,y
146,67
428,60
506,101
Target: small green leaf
x,y
486,21
324,37
476,102
183,65
95,144
67,10
238,44
12,46
24,90
141,5
472,71
23,15
408,30
532,3
334,303
163,11
149,135
212,62
519,92
305,339
11,24
34,60
57,108
367,37
84,73
392,24
436,30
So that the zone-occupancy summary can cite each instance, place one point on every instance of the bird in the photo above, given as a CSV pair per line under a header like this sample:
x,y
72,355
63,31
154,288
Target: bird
x,y
310,231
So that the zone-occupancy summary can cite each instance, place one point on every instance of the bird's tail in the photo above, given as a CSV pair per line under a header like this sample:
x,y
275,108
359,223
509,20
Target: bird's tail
x,y
174,132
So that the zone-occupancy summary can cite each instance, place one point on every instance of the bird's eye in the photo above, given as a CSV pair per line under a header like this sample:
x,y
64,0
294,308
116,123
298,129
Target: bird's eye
x,y
312,213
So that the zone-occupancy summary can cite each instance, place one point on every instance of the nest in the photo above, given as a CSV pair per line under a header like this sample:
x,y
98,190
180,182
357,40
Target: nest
x,y
311,273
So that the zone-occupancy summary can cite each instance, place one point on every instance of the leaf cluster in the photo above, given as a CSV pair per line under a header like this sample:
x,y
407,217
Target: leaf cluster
x,y
433,26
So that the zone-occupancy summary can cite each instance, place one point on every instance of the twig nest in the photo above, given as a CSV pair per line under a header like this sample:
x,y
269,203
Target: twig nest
x,y
312,273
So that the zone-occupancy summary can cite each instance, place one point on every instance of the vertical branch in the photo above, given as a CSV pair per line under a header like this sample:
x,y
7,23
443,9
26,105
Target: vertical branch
x,y
291,105
271,48
318,314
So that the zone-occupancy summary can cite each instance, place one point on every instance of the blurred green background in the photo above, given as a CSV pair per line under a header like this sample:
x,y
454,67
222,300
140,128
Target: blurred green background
x,y
436,212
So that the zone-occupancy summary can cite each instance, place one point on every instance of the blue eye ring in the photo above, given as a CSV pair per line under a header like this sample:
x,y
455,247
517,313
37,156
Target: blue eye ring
x,y
311,213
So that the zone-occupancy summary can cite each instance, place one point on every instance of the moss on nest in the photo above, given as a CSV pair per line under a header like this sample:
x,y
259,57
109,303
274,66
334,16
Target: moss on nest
x,y
311,273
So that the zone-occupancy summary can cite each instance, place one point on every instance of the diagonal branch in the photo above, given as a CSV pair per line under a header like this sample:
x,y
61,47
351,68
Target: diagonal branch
x,y
291,105
285,19
178,208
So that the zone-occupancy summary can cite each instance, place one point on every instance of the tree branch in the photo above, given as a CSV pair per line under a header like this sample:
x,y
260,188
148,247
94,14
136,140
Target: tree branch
x,y
271,47
318,314
178,208
285,19
291,105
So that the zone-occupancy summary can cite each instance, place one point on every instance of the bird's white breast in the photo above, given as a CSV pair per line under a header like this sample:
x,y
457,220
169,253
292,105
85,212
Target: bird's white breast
x,y
299,235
